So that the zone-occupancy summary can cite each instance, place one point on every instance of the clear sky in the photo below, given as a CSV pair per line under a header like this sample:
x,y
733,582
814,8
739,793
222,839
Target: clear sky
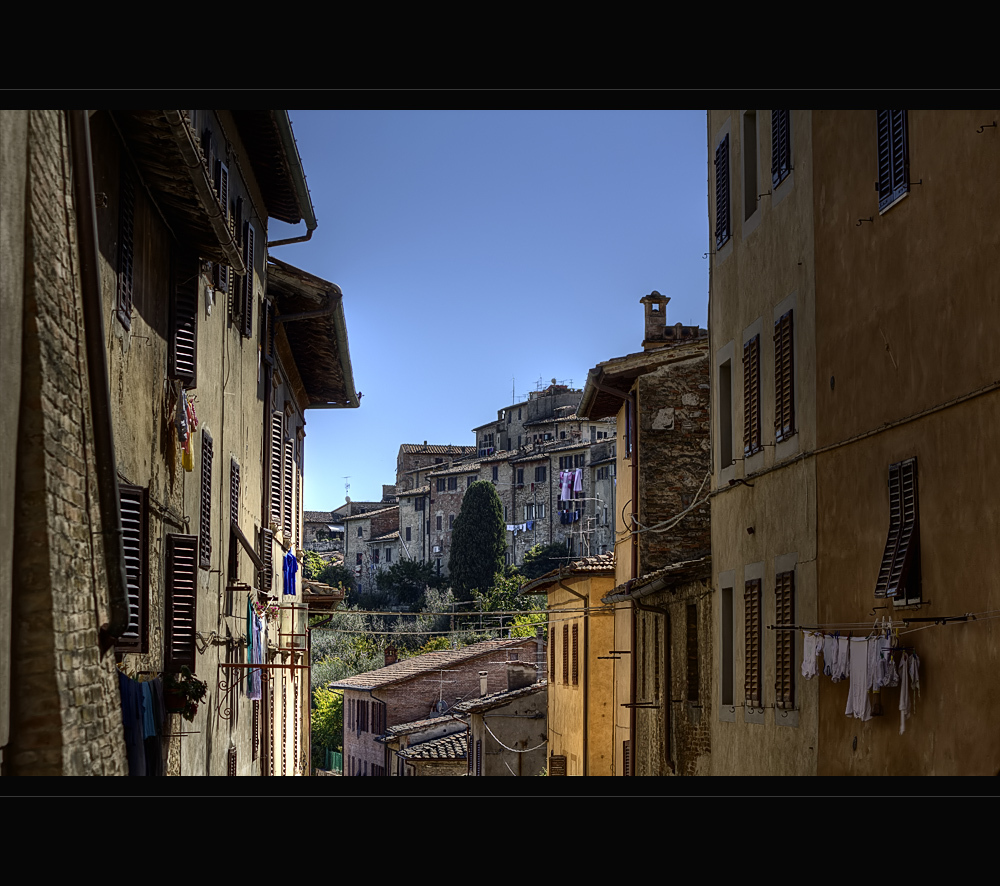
x,y
482,254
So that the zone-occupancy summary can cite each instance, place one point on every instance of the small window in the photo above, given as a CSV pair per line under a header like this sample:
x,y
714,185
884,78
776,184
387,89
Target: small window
x,y
496,473
723,229
126,236
452,484
418,503
388,555
359,559
520,476
408,533
893,158
899,574
361,532
540,474
439,521
441,484
781,147
451,521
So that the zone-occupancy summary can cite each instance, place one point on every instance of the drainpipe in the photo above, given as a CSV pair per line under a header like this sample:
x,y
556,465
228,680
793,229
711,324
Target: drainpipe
x,y
298,179
97,375
586,664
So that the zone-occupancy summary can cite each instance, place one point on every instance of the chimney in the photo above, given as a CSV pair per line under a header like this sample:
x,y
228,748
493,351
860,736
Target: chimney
x,y
390,655
520,674
482,683
656,320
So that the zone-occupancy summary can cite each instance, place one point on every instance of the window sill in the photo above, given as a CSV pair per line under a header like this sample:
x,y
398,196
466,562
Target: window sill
x,y
895,201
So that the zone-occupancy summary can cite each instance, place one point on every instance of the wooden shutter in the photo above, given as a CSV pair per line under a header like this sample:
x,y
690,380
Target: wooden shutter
x,y
627,757
231,762
784,379
552,655
576,655
234,517
784,655
205,528
752,630
287,485
276,450
751,396
893,157
267,558
299,458
126,240
181,601
184,322
135,517
565,655
899,574
267,331
722,230
248,246
780,147
479,756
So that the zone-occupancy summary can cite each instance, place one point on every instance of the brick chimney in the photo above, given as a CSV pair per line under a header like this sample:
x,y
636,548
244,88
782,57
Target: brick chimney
x,y
520,674
390,655
483,689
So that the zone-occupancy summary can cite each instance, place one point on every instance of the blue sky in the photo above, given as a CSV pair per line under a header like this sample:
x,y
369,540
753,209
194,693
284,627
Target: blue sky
x,y
482,251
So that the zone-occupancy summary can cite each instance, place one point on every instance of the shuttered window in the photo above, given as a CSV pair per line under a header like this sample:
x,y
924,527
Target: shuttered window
x,y
565,656
298,491
753,639
205,526
627,757
893,157
234,517
751,397
266,555
576,655
781,147
287,481
552,655
247,306
181,601
276,450
267,331
723,226
479,756
557,764
231,762
784,650
126,239
899,574
135,521
784,379
184,322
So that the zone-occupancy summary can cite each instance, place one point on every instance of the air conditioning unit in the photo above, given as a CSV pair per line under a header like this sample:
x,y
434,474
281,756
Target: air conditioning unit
x,y
437,549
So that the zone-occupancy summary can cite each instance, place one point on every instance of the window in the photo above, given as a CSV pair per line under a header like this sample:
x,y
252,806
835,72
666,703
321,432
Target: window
x,y
469,481
375,552
451,522
784,379
248,244
496,473
893,158
439,521
781,147
520,476
565,655
899,574
361,532
725,415
552,654
234,517
722,223
358,559
126,236
748,148
181,601
135,520
752,633
184,321
576,654
557,764
452,484
418,504
784,650
751,397
408,533
440,484
205,526
388,555
275,454
693,675
540,474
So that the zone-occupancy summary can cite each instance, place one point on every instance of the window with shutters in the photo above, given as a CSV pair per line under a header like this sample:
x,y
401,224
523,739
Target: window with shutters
x,y
784,649
557,764
134,504
452,484
248,258
267,331
205,525
723,224
231,762
576,655
540,474
565,656
479,756
496,473
287,487
893,158
552,655
899,573
126,241
184,322
751,397
181,597
781,146
784,379
275,457
266,575
627,757
752,643
441,484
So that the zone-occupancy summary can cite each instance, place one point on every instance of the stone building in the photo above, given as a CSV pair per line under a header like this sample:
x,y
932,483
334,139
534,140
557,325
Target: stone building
x,y
371,543
190,377
854,358
417,688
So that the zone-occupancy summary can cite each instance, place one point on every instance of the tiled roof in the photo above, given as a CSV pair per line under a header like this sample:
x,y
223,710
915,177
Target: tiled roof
x,y
368,514
667,577
409,668
388,536
495,699
418,725
319,517
420,490
437,450
448,747
468,468
601,564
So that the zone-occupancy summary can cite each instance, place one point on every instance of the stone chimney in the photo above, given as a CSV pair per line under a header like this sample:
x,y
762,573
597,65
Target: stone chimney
x,y
483,683
656,320
520,674
390,655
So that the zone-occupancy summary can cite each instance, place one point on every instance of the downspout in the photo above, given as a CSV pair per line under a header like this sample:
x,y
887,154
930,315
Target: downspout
x,y
298,179
97,375
586,664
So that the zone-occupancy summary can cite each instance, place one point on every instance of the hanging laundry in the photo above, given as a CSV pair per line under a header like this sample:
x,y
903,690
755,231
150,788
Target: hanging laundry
x,y
842,664
289,568
811,646
565,485
858,703
909,681
578,480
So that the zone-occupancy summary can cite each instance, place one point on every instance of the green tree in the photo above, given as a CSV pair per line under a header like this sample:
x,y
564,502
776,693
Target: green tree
x,y
335,574
327,723
477,541
407,581
543,558
312,565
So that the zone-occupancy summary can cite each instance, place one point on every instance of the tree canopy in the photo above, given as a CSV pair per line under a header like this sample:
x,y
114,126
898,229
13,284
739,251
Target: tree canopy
x,y
477,541
544,558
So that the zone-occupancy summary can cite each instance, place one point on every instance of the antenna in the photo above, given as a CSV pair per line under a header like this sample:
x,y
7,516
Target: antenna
x,y
347,485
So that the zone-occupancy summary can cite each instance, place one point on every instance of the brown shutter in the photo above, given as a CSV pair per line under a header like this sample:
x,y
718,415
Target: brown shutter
x,y
234,517
181,601
205,529
784,379
576,655
231,762
565,655
248,245
277,438
126,238
899,574
784,655
479,756
184,322
752,650
134,508
267,558
893,157
751,396
693,662
286,489
627,757
552,655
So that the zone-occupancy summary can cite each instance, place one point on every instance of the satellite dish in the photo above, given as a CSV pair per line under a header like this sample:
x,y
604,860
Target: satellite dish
x,y
347,498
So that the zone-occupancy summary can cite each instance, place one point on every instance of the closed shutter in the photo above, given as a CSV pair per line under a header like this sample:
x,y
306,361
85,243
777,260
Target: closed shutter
x,y
184,322
552,655
751,396
205,527
267,331
134,508
126,239
276,450
181,601
784,379
893,157
722,224
479,756
557,764
899,574
565,656
627,757
220,271
266,555
693,659
234,517
286,489
752,646
780,147
231,762
784,657
576,655
248,247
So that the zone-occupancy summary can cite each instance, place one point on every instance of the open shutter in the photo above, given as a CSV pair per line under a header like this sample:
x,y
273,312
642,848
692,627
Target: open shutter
x,y
266,556
899,573
126,238
205,528
722,231
134,509
751,396
784,662
565,655
181,601
576,654
248,247
780,147
893,157
752,629
276,451
784,379
287,488
234,518
184,322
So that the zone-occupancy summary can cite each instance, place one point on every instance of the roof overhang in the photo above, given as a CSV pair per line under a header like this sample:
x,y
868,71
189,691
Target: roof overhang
x,y
665,579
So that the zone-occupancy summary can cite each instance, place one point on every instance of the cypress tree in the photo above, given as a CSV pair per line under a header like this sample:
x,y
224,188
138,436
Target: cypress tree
x,y
477,541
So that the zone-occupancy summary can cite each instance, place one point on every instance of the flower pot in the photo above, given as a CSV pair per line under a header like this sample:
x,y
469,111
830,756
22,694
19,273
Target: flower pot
x,y
174,700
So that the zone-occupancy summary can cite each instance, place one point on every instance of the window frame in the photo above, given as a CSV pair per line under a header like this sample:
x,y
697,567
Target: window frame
x,y
900,566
